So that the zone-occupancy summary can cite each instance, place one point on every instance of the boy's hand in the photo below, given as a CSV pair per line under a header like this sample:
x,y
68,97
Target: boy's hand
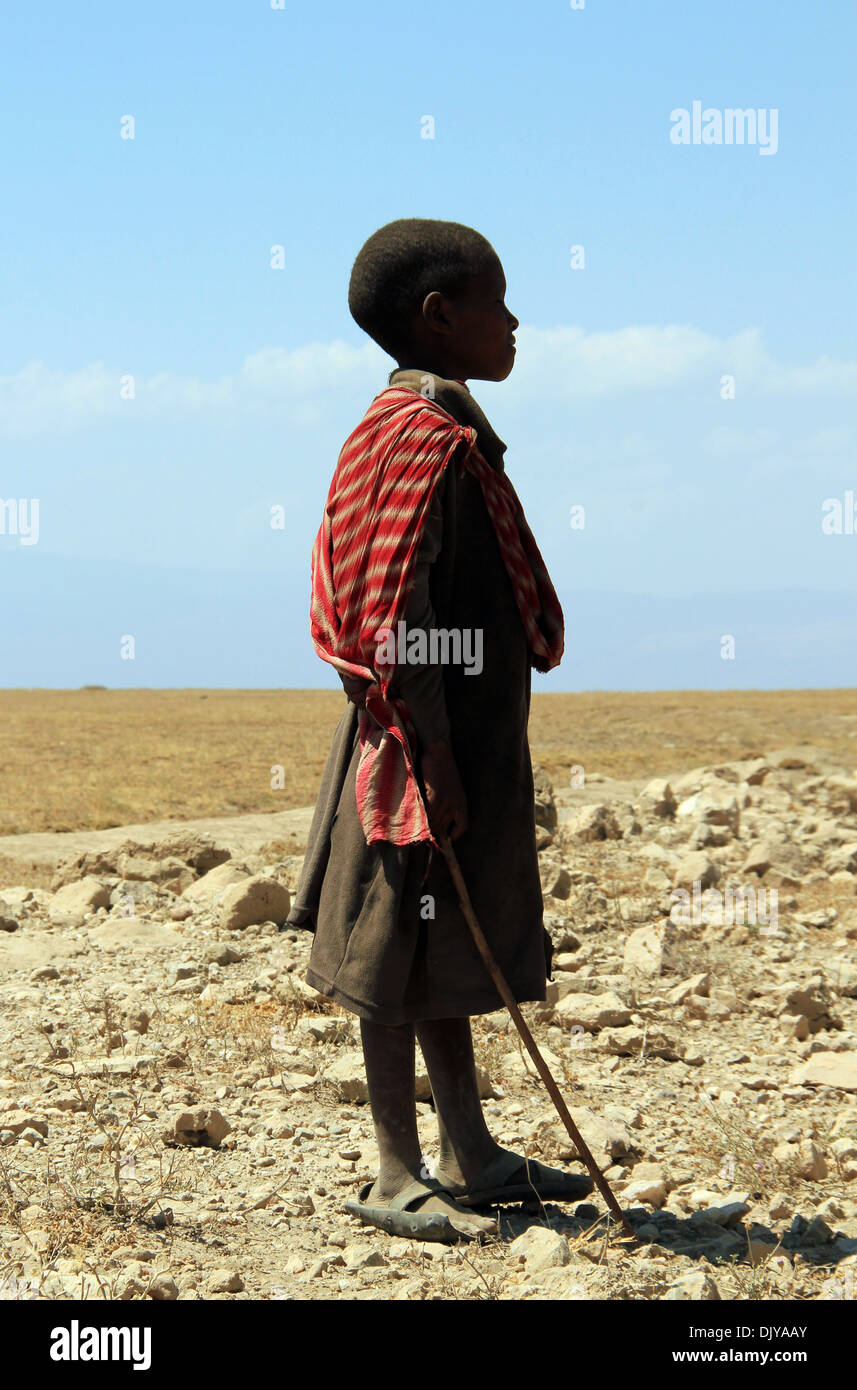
x,y
355,688
445,799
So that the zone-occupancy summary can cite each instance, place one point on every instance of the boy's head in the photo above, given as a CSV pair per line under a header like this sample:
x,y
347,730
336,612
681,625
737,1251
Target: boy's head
x,y
431,294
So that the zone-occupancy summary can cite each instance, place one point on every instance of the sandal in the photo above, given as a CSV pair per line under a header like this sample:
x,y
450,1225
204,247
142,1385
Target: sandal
x,y
510,1178
401,1218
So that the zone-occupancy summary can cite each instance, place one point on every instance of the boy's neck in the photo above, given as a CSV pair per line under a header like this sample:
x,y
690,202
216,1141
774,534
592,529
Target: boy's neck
x,y
423,371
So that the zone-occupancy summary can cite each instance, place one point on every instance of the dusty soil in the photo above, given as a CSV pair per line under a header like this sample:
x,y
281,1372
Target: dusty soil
x,y
685,1049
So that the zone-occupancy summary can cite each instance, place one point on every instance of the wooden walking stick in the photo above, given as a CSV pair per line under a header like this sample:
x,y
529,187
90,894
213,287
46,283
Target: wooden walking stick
x,y
520,1023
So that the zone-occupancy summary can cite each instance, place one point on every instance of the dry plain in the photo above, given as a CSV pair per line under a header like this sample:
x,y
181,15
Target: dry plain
x,y
181,1117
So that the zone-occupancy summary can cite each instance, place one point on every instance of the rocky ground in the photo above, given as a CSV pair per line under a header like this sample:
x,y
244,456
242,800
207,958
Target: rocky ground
x,y
182,1117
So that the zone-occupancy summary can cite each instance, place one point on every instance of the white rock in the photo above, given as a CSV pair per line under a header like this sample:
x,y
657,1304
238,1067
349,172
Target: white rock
x,y
252,900
843,858
633,1041
606,1136
200,1127
649,950
697,984
811,1163
120,933
541,1249
224,1281
589,823
163,1288
592,1011
520,1063
658,798
70,905
711,807
843,977
208,890
696,867
652,1191
760,858
697,1286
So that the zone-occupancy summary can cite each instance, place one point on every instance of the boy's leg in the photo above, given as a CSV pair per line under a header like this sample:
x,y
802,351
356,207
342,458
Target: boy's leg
x,y
389,1057
466,1145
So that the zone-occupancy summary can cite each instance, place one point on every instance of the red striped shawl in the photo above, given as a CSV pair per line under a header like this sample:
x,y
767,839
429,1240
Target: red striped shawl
x,y
362,564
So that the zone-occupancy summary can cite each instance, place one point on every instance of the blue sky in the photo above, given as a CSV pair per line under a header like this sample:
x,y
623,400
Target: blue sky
x,y
300,127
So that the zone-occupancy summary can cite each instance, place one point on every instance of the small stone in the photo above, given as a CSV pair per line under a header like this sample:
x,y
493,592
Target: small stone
x,y
780,1206
760,858
592,1011
696,1286
794,1026
325,1264
224,1281
817,1232
566,960
651,1191
71,905
589,823
835,1069
359,1257
842,859
658,798
163,1288
697,984
723,1214
648,1231
811,1163
695,867
649,950
253,900
555,881
20,1120
208,890
541,1249
633,1041
200,1127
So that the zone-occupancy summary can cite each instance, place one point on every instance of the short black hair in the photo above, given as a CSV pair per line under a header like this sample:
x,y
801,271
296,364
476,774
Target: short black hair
x,y
403,262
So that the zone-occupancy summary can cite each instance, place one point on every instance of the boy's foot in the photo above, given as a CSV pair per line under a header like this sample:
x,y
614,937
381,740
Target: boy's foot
x,y
421,1210
510,1177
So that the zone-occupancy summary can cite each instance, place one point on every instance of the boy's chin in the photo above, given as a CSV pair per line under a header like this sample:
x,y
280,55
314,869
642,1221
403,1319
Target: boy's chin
x,y
496,371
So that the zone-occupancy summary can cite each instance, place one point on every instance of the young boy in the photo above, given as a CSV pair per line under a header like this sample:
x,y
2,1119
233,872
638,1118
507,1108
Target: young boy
x,y
432,602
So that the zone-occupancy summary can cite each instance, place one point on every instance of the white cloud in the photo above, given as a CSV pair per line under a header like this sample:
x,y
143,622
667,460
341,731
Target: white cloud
x,y
559,363
571,363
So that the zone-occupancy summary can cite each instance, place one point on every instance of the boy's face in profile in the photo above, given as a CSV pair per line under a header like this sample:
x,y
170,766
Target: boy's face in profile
x,y
472,332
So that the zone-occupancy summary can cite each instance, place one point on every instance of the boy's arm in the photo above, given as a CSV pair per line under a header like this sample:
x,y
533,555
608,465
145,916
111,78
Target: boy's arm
x,y
421,687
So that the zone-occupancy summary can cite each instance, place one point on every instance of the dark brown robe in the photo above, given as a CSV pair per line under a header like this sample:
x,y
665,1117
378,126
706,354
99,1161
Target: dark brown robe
x,y
391,944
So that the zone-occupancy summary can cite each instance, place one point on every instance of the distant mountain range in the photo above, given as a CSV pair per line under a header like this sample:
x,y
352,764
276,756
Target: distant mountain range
x,y
63,620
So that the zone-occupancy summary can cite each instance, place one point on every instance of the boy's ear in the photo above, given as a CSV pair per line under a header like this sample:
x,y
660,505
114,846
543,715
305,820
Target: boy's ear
x,y
434,312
